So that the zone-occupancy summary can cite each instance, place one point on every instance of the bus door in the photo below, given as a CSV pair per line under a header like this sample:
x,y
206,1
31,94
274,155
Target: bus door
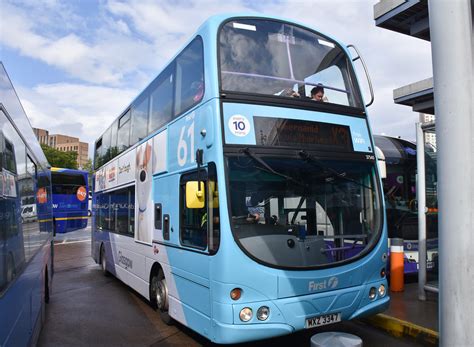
x,y
189,224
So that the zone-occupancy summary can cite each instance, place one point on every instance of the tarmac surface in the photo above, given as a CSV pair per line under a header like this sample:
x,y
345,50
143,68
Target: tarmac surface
x,y
89,309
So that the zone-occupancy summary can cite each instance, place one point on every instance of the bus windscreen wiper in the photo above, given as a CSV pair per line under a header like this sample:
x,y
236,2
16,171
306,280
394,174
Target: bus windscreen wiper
x,y
267,167
311,159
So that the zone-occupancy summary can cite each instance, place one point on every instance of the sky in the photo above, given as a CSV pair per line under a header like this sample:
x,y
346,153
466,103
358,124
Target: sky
x,y
76,64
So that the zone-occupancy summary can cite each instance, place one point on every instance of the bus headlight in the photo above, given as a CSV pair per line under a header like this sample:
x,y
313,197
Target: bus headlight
x,y
372,293
245,314
263,313
382,290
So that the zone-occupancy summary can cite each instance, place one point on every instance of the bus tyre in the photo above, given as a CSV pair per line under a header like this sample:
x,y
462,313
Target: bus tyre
x,y
159,296
46,286
103,261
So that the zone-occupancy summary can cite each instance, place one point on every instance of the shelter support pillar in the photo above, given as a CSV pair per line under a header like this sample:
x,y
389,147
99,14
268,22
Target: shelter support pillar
x,y
452,49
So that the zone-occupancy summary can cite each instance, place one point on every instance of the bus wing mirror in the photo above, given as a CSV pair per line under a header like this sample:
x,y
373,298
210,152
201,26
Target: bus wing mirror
x,y
195,196
359,57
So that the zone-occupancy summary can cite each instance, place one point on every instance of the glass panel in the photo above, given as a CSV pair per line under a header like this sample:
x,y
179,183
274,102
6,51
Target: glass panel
x,y
139,121
103,212
10,163
131,211
120,206
105,152
123,136
304,213
274,58
213,210
67,183
113,140
44,201
97,158
189,77
30,166
12,247
162,100
193,220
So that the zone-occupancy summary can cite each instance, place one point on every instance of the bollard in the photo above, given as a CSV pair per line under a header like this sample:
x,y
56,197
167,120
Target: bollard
x,y
335,339
396,265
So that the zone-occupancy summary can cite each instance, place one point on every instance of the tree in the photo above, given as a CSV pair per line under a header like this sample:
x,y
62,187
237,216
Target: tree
x,y
90,169
56,158
88,166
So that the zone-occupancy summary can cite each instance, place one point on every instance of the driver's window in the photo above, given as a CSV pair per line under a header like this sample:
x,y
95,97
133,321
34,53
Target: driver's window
x,y
193,230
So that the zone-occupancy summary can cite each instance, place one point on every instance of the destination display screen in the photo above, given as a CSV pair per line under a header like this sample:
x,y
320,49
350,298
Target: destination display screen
x,y
279,132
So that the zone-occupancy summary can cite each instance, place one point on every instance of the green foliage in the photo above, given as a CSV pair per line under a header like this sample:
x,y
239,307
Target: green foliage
x,y
90,169
56,158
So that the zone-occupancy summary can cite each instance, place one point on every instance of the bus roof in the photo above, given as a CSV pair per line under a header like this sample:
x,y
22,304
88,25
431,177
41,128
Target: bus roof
x,y
210,28
63,170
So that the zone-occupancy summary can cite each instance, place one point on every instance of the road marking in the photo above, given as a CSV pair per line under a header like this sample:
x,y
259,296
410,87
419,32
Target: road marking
x,y
69,242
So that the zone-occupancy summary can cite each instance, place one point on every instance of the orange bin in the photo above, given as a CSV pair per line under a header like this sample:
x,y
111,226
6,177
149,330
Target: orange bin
x,y
396,265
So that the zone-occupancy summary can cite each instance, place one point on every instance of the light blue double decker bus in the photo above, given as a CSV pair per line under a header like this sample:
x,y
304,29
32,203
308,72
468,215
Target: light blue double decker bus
x,y
234,202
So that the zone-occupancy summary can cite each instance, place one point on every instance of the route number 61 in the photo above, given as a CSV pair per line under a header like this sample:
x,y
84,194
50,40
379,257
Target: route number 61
x,y
182,152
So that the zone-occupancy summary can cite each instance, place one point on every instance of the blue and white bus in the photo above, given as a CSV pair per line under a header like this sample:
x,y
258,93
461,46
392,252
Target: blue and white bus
x,y
26,242
232,201
70,199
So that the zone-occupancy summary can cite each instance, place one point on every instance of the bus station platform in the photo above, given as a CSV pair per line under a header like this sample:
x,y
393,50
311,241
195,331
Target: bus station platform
x,y
409,317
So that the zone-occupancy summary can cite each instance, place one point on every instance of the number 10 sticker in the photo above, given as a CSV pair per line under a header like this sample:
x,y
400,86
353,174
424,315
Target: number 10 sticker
x,y
239,125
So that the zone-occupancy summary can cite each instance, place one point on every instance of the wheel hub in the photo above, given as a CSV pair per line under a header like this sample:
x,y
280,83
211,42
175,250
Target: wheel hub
x,y
162,295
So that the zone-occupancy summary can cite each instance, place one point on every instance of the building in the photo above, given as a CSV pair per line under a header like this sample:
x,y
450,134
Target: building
x,y
430,136
64,143
42,135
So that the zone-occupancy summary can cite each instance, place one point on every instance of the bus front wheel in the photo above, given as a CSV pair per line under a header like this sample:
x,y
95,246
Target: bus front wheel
x,y
159,296
103,261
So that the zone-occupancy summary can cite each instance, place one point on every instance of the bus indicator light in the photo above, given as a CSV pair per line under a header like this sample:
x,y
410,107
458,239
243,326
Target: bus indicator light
x,y
235,293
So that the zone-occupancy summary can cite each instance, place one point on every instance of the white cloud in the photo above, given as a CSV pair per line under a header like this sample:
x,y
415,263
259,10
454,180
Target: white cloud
x,y
106,59
125,43
75,110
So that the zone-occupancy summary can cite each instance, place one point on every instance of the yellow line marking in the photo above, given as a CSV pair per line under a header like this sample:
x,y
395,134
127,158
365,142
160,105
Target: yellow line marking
x,y
71,218
401,328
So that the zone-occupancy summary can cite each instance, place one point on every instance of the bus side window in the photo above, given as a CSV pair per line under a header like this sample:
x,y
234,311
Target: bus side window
x,y
189,76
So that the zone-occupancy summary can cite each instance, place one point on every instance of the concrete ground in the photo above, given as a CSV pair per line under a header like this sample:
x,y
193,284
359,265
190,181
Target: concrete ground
x,y
89,309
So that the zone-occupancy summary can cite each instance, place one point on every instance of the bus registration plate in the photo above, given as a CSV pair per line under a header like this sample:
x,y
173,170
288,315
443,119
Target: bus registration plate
x,y
323,320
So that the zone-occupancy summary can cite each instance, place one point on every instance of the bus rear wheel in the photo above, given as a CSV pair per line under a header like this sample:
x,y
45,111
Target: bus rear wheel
x,y
159,296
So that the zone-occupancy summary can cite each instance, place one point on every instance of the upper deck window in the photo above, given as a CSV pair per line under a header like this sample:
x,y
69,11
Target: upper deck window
x,y
279,59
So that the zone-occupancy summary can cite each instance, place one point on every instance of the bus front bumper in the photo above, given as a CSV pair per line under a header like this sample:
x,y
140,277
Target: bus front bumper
x,y
288,315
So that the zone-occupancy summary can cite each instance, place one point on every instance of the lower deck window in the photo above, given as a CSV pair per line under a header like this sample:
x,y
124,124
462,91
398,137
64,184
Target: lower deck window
x,y
116,211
